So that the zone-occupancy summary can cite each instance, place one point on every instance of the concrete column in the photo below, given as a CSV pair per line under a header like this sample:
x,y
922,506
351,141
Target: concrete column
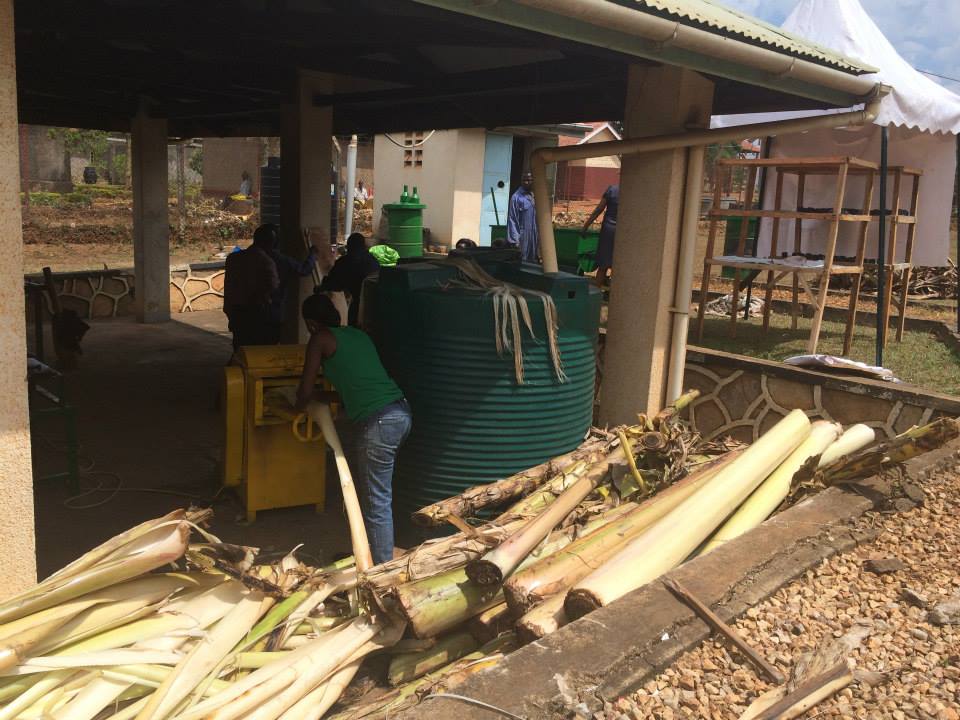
x,y
19,568
151,225
659,100
306,156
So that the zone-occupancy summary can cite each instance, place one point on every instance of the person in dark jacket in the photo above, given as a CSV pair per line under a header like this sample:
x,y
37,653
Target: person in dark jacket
x,y
609,205
255,287
349,272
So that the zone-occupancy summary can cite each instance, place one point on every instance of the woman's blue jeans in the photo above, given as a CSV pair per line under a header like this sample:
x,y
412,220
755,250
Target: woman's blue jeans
x,y
379,437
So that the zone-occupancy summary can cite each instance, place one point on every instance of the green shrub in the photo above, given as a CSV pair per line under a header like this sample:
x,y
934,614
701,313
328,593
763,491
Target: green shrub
x,y
50,199
103,191
77,198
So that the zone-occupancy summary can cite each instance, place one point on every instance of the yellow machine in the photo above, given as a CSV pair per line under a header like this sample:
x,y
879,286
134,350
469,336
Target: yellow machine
x,y
277,458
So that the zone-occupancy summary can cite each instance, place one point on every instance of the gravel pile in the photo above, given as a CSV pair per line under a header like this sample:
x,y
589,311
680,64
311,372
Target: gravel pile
x,y
895,593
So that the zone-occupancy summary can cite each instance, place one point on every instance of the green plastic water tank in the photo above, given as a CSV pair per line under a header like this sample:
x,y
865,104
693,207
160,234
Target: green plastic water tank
x,y
472,422
405,221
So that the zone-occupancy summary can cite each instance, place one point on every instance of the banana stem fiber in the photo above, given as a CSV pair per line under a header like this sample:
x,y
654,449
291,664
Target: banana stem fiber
x,y
498,564
670,540
855,438
774,490
556,573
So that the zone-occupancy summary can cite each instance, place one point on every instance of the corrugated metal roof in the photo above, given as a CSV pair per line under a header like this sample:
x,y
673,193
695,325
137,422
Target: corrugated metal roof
x,y
726,21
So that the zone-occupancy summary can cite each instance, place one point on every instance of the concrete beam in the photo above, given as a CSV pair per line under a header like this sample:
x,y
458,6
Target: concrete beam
x,y
306,159
151,228
659,101
18,569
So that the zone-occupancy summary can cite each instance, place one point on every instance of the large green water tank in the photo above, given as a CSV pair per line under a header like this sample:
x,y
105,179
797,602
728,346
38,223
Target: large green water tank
x,y
473,423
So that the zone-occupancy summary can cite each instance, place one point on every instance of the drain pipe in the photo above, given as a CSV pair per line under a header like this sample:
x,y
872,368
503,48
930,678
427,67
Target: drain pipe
x,y
671,33
695,140
351,186
684,285
544,155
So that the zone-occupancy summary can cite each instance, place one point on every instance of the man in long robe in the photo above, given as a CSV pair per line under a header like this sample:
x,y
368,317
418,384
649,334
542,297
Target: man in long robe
x,y
522,221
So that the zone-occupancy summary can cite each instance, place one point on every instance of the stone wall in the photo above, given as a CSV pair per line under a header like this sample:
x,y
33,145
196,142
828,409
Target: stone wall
x,y
743,397
109,293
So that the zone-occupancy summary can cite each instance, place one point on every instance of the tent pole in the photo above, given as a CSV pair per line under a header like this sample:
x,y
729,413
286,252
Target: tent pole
x,y
956,190
881,245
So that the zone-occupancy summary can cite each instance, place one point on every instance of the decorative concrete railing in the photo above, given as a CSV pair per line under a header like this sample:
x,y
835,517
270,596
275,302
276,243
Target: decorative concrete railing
x,y
743,397
110,293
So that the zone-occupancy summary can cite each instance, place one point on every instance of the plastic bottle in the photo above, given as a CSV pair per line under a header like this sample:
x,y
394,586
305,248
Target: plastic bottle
x,y
404,196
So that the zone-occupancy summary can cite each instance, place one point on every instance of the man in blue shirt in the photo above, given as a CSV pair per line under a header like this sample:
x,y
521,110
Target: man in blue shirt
x,y
522,221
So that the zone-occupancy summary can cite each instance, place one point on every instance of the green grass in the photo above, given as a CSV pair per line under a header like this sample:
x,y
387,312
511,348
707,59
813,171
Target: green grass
x,y
920,359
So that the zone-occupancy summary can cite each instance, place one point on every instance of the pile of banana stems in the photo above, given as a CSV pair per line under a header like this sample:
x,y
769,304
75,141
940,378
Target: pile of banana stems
x,y
152,626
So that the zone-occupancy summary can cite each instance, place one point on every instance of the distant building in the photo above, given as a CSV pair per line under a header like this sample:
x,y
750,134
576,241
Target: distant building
x,y
464,177
43,160
588,179
225,160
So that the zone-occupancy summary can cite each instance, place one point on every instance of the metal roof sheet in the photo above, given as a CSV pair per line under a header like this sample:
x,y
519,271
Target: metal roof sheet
x,y
719,18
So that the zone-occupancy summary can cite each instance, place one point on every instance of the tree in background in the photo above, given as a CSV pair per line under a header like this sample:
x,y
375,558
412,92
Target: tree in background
x,y
91,144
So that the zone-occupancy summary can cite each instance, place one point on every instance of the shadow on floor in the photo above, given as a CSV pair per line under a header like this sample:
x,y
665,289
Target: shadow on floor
x,y
148,418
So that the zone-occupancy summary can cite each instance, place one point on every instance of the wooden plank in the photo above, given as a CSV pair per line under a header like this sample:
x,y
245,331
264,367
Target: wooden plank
x,y
774,239
711,618
810,693
808,163
858,278
889,260
829,253
741,244
785,267
707,258
792,215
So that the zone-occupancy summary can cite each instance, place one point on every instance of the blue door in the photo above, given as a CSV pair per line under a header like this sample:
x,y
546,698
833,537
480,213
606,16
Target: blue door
x,y
496,184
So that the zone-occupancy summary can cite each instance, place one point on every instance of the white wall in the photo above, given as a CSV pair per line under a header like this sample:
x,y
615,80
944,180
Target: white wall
x,y
448,182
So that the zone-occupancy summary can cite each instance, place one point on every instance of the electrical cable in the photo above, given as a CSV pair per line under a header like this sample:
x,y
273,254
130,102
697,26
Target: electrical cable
x,y
417,144
937,75
86,471
473,701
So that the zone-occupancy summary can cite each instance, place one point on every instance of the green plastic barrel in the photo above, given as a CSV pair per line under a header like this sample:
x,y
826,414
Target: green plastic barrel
x,y
731,239
472,422
405,221
575,253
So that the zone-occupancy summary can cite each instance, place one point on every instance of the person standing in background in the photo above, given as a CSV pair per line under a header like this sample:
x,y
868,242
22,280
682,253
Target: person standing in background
x,y
522,221
608,205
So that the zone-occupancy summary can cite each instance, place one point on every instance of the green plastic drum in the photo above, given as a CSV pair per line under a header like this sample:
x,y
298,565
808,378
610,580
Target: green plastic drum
x,y
472,422
406,228
576,253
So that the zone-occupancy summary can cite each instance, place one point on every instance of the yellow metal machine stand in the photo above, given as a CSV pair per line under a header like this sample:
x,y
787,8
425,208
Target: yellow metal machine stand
x,y
276,459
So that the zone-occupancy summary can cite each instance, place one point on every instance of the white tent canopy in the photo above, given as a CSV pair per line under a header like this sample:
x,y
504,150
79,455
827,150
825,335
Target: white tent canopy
x,y
923,118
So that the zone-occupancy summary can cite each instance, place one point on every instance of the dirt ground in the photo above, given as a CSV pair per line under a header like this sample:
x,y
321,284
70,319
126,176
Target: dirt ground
x,y
884,620
72,237
149,428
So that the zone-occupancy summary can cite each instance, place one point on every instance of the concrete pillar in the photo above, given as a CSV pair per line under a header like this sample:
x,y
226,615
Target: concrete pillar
x,y
306,156
19,568
151,224
659,100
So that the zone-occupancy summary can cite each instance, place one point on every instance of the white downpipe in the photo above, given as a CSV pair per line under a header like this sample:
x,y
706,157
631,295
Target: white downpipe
x,y
696,140
684,286
608,15
351,186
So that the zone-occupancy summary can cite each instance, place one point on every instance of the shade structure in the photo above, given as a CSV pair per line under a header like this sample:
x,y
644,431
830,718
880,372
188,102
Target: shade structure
x,y
922,117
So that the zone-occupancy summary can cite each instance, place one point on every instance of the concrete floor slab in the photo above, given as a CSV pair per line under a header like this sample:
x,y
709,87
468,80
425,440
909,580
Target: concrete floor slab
x,y
147,399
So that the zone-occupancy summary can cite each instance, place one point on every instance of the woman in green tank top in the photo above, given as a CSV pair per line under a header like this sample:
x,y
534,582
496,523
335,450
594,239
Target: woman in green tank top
x,y
374,404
